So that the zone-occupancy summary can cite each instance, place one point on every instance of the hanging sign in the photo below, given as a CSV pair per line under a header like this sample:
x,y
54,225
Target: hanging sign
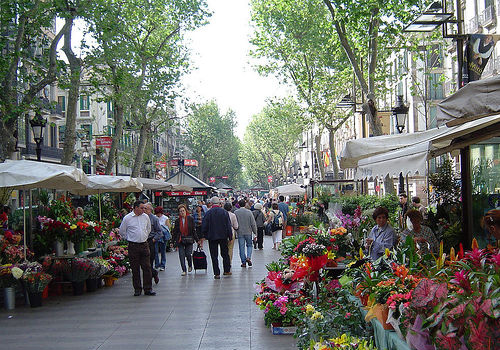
x,y
103,146
185,193
161,171
478,51
270,178
212,179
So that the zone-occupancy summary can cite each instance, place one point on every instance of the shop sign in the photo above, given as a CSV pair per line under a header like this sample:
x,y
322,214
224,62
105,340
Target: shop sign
x,y
212,179
270,178
186,193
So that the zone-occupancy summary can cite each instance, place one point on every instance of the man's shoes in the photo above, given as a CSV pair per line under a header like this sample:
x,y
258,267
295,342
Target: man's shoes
x,y
243,264
227,273
162,269
249,262
137,293
150,293
183,273
217,277
190,268
156,278
261,248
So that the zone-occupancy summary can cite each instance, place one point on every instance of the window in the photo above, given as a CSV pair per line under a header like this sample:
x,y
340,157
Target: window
x,y
435,57
84,103
110,110
435,87
62,131
53,136
88,129
61,101
432,117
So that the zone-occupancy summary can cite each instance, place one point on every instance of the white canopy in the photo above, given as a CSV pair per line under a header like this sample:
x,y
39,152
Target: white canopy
x,y
291,190
475,100
28,174
413,159
109,183
153,184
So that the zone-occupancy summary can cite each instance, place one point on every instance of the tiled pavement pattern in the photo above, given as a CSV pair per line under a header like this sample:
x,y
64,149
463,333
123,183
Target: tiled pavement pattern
x,y
192,312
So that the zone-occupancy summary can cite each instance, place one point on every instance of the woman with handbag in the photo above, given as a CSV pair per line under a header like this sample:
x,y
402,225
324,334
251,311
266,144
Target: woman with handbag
x,y
184,235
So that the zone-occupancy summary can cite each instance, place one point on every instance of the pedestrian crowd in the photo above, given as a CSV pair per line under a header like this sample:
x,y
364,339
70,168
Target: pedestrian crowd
x,y
221,222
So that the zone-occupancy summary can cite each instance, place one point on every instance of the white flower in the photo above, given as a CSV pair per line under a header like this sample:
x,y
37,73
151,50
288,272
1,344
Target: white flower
x,y
17,272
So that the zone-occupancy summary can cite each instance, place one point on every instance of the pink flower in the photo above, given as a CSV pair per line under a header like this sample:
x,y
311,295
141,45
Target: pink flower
x,y
462,279
496,259
347,315
283,310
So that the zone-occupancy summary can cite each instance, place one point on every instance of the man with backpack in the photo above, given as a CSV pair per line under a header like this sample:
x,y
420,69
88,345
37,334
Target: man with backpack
x,y
275,219
284,209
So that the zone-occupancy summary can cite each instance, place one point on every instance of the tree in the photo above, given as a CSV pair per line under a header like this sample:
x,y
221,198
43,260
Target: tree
x,y
210,136
297,40
28,62
271,140
141,52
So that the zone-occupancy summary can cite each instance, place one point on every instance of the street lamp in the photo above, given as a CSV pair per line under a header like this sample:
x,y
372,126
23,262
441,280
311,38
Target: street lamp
x,y
37,125
430,19
400,112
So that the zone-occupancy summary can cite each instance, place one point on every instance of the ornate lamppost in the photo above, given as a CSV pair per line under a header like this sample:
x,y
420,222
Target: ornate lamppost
x,y
38,123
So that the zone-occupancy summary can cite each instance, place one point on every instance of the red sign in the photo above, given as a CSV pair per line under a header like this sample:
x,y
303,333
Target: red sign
x,y
187,162
103,146
224,177
377,188
186,193
270,178
212,179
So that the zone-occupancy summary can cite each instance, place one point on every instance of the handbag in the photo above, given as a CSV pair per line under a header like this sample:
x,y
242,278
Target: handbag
x,y
187,240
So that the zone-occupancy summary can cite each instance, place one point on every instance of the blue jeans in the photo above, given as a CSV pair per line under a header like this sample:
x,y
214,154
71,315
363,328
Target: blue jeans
x,y
162,246
242,241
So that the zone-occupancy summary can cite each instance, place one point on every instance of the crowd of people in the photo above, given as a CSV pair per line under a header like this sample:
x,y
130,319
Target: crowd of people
x,y
220,222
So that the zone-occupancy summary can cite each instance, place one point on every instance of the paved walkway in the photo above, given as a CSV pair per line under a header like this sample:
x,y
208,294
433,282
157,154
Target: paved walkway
x,y
192,312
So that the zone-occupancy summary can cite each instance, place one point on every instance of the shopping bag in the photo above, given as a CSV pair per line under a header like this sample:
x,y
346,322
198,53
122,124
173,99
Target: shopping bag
x,y
199,259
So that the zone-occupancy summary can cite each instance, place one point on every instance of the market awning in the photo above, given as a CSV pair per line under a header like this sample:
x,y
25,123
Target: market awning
x,y
475,100
413,159
153,184
291,190
109,183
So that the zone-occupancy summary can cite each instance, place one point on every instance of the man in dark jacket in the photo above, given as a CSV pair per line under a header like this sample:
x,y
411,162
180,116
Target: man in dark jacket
x,y
155,235
216,228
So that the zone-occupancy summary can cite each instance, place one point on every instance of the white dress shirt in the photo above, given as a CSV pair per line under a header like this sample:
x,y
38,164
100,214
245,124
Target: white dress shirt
x,y
135,228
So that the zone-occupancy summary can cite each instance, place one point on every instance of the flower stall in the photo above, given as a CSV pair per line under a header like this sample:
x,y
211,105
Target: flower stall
x,y
404,300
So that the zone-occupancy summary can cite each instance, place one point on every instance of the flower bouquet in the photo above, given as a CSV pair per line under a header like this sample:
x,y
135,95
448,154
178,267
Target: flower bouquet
x,y
9,275
100,267
35,282
77,269
344,342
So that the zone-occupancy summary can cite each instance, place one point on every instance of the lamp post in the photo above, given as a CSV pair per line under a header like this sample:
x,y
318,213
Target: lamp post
x,y
37,125
400,113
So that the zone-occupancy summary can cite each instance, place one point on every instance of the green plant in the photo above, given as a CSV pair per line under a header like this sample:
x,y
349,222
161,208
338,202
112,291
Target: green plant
x,y
289,244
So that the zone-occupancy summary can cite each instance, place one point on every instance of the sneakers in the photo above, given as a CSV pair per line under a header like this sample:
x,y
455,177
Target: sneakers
x,y
217,277
183,273
244,264
249,262
227,273
190,268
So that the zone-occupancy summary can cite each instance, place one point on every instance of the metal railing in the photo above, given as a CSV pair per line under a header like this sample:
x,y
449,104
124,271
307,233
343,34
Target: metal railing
x,y
487,16
473,25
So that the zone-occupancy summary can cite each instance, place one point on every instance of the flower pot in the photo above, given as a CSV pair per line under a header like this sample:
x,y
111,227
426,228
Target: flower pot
x,y
91,284
79,247
78,287
35,299
109,280
289,230
59,248
45,293
382,312
71,248
9,298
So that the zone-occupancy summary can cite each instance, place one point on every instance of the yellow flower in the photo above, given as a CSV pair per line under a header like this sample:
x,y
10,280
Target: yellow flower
x,y
73,227
317,315
361,254
387,252
331,255
309,309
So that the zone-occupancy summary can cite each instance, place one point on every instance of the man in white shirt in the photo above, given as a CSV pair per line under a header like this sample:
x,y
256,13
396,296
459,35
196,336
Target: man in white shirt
x,y
135,228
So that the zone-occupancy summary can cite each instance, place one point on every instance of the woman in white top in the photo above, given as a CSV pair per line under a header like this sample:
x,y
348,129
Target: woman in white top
x,y
276,233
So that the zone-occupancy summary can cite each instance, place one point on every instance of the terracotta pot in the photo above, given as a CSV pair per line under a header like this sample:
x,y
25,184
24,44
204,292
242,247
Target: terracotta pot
x,y
109,281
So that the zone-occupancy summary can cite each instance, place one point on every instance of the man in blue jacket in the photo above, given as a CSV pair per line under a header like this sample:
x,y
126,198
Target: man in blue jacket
x,y
216,228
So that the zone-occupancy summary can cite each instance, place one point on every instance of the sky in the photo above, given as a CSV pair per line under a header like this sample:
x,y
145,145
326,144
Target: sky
x,y
220,53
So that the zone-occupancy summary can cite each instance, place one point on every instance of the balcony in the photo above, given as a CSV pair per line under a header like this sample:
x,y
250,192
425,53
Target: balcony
x,y
472,25
488,17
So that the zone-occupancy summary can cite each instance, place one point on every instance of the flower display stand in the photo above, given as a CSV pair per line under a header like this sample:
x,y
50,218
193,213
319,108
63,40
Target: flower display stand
x,y
9,298
280,330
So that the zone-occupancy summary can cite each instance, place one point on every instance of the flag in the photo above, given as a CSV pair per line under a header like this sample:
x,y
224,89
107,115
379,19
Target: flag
x,y
478,49
326,159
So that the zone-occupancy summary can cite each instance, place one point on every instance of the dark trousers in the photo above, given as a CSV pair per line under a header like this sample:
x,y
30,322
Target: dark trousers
x,y
213,245
152,254
138,254
260,237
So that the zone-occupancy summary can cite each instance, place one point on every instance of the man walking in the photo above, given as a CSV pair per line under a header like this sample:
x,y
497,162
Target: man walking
x,y
284,209
135,228
216,228
154,236
246,227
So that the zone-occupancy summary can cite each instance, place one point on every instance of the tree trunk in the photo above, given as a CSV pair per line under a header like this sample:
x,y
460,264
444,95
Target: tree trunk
x,y
75,65
333,158
319,158
113,153
143,136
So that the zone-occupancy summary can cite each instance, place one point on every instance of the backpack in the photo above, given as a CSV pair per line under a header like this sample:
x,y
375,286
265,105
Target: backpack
x,y
277,223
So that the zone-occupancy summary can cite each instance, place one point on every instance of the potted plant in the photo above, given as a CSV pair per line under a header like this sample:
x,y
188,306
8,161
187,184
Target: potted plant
x,y
99,268
9,275
77,270
35,283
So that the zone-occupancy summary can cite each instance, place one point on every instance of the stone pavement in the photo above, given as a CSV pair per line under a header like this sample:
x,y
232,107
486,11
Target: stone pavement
x,y
192,312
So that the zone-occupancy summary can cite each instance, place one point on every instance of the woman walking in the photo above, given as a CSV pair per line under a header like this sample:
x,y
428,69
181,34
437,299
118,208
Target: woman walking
x,y
277,227
184,235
